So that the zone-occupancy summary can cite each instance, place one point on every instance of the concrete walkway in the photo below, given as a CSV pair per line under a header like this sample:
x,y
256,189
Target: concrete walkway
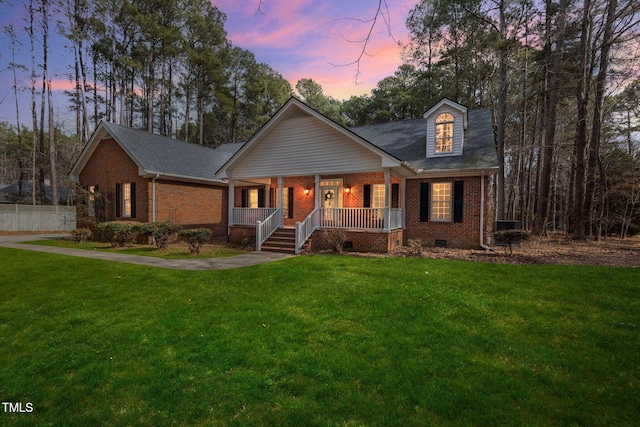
x,y
244,260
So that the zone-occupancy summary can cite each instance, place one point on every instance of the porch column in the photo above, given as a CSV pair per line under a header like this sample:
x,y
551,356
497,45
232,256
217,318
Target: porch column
x,y
403,204
387,200
280,195
231,203
316,193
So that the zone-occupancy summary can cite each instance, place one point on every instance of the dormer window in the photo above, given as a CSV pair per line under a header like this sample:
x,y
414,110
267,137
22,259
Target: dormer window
x,y
444,133
446,126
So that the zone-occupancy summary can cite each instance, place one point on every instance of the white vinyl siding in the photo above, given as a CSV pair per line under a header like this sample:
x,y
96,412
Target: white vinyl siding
x,y
303,146
458,133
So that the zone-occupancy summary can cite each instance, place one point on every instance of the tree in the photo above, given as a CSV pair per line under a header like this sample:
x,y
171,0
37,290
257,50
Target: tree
x,y
312,94
551,108
15,67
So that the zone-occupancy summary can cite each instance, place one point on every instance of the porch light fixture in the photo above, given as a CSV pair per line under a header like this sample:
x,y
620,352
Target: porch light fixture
x,y
306,191
347,190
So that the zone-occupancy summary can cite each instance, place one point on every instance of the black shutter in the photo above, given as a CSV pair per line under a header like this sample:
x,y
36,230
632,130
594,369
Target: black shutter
x,y
458,200
245,198
424,201
290,201
118,199
367,195
272,200
133,200
395,196
261,194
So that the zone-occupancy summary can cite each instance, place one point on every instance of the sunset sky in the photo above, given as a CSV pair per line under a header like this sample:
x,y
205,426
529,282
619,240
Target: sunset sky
x,y
298,38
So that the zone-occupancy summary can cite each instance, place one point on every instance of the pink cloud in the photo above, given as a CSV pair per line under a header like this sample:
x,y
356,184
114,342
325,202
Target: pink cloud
x,y
62,85
318,40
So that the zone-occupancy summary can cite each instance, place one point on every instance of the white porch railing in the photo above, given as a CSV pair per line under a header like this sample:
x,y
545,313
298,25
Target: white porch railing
x,y
354,218
360,218
395,219
265,228
249,216
305,229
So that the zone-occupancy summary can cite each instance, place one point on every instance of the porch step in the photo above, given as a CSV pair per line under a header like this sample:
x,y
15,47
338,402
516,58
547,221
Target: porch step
x,y
282,240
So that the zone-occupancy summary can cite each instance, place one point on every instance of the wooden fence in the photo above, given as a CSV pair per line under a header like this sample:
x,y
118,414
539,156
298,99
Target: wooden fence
x,y
37,218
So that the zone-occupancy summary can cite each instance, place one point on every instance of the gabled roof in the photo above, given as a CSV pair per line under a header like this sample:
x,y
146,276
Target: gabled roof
x,y
159,155
296,108
406,140
451,104
400,145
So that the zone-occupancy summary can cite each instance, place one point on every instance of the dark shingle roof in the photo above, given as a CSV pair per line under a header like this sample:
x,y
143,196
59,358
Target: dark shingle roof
x,y
160,154
406,140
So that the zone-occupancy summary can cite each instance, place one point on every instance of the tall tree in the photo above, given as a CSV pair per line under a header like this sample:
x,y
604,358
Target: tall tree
x,y
551,109
15,67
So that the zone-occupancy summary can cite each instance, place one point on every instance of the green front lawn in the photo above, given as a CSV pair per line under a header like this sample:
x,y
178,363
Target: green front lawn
x,y
173,251
318,340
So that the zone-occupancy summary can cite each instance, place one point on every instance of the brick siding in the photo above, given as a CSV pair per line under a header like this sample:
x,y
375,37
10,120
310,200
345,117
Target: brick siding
x,y
191,205
463,235
110,165
187,204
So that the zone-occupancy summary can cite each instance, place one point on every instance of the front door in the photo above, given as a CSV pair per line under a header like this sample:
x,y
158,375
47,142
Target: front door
x,y
332,202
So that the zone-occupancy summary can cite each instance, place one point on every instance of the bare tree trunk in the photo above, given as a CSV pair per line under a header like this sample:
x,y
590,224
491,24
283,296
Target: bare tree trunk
x,y
14,66
200,120
594,142
542,208
502,110
580,140
52,148
34,111
150,95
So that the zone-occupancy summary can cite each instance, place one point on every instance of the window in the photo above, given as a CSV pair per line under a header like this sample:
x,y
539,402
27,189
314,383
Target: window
x,y
126,199
441,201
253,198
444,133
378,196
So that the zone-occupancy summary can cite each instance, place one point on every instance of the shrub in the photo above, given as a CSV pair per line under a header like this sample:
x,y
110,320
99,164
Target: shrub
x,y
81,235
119,233
161,232
196,237
510,237
414,247
335,238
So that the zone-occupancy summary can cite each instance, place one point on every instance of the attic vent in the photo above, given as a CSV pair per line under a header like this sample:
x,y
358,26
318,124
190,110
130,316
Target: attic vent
x,y
298,114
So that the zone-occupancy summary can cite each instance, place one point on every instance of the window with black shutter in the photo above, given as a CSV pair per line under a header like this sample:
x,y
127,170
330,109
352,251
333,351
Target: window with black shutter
x,y
424,201
458,201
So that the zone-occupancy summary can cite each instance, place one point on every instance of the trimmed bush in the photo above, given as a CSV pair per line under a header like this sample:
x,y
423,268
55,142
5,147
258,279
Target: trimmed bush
x,y
161,232
196,237
119,233
81,235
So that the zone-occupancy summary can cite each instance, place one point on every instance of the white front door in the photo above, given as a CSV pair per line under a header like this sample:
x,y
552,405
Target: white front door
x,y
331,202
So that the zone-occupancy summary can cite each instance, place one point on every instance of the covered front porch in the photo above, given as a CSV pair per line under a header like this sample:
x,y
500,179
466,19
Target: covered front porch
x,y
367,207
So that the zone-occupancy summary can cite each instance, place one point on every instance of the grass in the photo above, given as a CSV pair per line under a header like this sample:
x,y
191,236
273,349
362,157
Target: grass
x,y
173,251
318,340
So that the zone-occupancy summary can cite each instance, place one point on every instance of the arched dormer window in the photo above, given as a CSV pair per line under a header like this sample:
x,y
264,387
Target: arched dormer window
x,y
444,133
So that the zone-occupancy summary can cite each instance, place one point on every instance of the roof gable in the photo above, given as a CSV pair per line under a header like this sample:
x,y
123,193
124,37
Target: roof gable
x,y
446,104
298,140
158,155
